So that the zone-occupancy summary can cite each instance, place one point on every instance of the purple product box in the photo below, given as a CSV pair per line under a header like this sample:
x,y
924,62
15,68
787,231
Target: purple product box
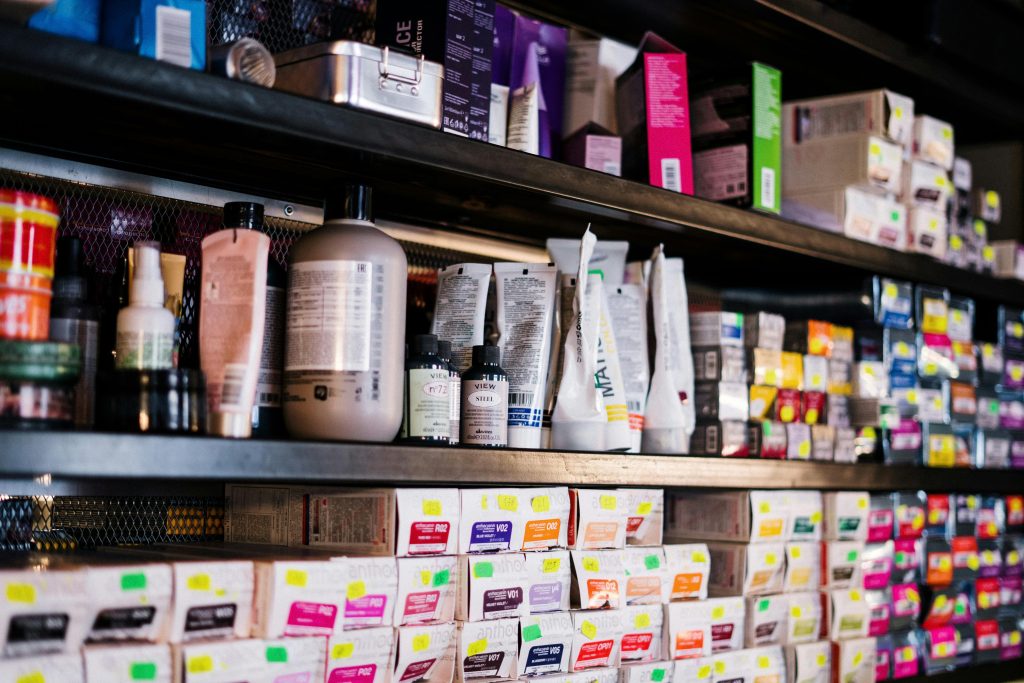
x,y
480,72
538,56
504,37
441,31
595,148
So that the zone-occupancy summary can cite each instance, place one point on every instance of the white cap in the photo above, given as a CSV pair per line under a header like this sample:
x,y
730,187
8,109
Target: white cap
x,y
147,286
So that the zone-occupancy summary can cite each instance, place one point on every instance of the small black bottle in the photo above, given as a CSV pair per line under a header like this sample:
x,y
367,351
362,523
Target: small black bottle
x,y
427,414
485,400
444,350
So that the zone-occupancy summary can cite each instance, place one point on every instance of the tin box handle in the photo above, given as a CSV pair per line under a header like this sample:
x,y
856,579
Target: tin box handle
x,y
386,75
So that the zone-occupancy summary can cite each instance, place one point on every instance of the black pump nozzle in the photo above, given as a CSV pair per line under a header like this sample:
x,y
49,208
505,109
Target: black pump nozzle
x,y
356,203
247,215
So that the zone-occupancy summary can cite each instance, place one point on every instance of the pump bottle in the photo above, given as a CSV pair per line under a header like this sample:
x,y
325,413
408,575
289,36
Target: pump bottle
x,y
345,327
145,329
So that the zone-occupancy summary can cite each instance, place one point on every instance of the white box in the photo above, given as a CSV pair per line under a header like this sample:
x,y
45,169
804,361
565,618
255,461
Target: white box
x,y
642,627
716,328
728,616
598,578
842,564
687,630
212,600
746,516
645,521
497,126
549,581
847,613
767,663
606,675
426,590
371,587
933,141
809,663
863,214
803,567
293,659
45,611
651,672
299,598
591,68
545,519
489,519
1009,259
766,620
687,568
596,636
126,663
926,185
219,661
927,232
428,522
63,668
646,575
815,373
853,661
365,655
597,519
487,650
803,620
129,601
545,644
746,569
491,587
881,112
862,160
425,653
846,515
735,665
805,509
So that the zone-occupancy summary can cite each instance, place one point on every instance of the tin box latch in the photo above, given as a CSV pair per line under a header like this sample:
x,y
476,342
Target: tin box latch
x,y
398,80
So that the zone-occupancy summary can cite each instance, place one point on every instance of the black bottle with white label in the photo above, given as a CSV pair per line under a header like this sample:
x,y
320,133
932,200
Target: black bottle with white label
x,y
485,400
427,412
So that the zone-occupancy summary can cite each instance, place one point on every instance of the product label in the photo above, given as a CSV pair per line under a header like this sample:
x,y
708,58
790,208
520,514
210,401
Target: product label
x,y
208,621
502,602
367,610
29,634
542,659
490,536
879,525
545,597
306,616
483,665
595,654
689,644
268,382
144,350
636,642
417,604
353,674
484,412
427,409
417,670
721,173
541,533
127,618
428,538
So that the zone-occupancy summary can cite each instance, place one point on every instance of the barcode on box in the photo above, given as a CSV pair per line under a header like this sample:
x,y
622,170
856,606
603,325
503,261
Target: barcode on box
x,y
520,398
174,35
670,177
231,395
768,188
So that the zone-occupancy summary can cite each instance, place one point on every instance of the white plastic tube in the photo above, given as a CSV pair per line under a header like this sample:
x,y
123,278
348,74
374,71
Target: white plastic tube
x,y
231,320
459,312
628,307
608,380
609,258
525,302
578,421
679,319
664,422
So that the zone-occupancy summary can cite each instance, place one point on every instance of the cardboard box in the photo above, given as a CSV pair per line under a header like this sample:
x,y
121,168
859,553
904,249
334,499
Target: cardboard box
x,y
123,664
803,567
933,141
720,364
864,214
596,637
172,31
688,630
45,610
716,329
746,569
537,73
371,590
1009,259
763,330
809,662
841,564
925,185
725,401
876,565
748,516
597,519
653,111
545,644
847,613
303,598
590,72
804,618
598,579
692,669
727,621
642,627
798,440
491,587
766,620
128,601
853,661
549,580
66,668
364,654
652,672
724,438
488,520
865,160
687,569
647,582
220,661
487,650
646,516
212,600
595,148
846,515
425,653
426,590
877,112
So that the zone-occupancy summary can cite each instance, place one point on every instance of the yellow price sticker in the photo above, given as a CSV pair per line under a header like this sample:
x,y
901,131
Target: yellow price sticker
x,y
956,243
508,503
420,642
988,253
34,677
765,508
699,556
591,564
200,664
855,596
1014,637
717,612
763,662
891,291
609,503
796,612
355,590
342,650
821,660
795,552
644,508
24,593
642,620
551,565
296,577
198,582
432,508
815,517
940,602
588,630
804,449
425,577
541,504
770,559
704,672
770,377
897,112
972,563
875,149
787,413
992,199
858,658
947,133
719,667
476,647
862,503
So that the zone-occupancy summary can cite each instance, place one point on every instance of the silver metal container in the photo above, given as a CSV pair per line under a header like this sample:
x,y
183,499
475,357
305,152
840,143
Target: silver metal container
x,y
365,77
243,60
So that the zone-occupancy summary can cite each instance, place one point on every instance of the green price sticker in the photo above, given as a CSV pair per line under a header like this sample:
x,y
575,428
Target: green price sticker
x,y
483,570
442,578
142,671
531,632
276,653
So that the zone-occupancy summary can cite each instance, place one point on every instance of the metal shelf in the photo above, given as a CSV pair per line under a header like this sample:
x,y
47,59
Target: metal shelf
x,y
1003,672
84,456
139,114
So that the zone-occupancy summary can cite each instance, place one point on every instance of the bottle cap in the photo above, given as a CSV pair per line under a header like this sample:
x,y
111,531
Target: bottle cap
x,y
486,355
356,203
69,280
444,349
247,215
424,344
147,281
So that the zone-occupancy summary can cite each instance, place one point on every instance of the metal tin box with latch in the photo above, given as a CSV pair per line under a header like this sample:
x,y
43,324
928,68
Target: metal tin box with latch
x,y
365,77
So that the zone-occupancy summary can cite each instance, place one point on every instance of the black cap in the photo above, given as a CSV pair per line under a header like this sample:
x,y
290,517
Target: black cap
x,y
243,215
486,355
444,349
69,281
424,344
355,203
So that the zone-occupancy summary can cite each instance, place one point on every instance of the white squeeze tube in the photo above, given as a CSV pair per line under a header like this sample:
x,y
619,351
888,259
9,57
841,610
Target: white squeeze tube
x,y
555,347
608,380
231,320
628,307
679,319
664,422
459,313
525,302
579,417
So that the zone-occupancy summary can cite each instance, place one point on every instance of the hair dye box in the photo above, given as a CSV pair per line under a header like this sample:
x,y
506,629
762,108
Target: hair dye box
x,y
596,639
549,581
591,69
598,519
487,650
545,644
426,590
66,668
127,663
876,112
491,587
366,655
425,653
653,110
300,598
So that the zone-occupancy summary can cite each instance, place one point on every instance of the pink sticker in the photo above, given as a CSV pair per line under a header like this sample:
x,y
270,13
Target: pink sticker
x,y
417,670
311,618
353,674
877,573
881,665
422,605
878,622
879,526
302,677
906,601
428,538
905,662
367,609
943,642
